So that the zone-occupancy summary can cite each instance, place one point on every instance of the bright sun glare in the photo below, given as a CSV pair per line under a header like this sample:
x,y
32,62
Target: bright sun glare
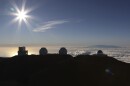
x,y
21,14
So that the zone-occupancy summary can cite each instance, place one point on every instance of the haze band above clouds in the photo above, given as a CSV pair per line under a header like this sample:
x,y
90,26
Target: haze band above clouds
x,y
49,25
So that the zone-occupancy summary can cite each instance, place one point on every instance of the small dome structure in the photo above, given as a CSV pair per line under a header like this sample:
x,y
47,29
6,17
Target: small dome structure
x,y
99,52
43,51
63,51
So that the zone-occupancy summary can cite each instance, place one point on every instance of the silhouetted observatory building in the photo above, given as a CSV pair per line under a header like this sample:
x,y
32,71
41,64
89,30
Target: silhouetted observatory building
x,y
43,51
22,51
63,51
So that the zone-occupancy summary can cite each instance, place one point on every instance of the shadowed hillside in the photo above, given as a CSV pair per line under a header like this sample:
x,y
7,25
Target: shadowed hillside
x,y
63,70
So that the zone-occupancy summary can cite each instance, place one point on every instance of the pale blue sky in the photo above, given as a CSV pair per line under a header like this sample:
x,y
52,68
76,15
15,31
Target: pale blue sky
x,y
68,22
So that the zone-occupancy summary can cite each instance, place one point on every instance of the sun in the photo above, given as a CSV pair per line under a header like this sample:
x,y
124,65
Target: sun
x,y
21,14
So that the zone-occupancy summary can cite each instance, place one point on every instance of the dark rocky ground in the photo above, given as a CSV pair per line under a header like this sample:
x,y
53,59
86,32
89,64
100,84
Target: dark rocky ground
x,y
63,70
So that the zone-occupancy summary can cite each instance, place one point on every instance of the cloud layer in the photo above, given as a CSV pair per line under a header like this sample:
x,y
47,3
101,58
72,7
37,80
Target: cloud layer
x,y
49,25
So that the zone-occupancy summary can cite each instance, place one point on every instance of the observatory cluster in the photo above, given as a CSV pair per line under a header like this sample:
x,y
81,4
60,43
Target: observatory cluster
x,y
43,51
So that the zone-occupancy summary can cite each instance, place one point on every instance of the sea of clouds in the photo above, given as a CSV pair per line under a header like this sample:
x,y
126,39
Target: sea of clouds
x,y
122,54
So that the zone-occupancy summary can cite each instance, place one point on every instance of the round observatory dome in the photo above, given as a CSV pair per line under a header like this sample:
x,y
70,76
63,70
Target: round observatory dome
x,y
63,51
43,51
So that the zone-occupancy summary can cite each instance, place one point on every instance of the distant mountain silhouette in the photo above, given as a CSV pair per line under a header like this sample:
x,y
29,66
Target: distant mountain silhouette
x,y
105,46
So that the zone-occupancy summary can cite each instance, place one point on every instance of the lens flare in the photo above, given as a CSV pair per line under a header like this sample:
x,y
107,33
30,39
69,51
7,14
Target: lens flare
x,y
21,14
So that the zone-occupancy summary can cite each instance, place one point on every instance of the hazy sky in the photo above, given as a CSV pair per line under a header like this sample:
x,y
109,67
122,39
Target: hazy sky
x,y
67,22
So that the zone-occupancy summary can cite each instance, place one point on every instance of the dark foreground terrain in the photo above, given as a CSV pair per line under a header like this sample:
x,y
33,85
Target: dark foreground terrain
x,y
63,70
